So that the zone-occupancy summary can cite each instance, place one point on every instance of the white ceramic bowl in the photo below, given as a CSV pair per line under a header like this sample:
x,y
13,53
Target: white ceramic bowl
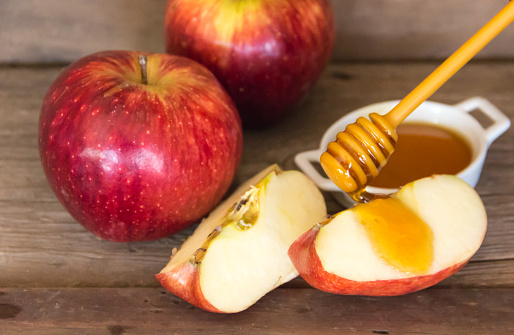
x,y
455,117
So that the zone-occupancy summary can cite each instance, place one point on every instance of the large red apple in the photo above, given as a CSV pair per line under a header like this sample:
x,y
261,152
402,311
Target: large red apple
x,y
135,150
267,53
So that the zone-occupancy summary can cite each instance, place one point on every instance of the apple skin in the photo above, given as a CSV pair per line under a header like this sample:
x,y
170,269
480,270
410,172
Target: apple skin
x,y
267,54
305,259
135,162
184,281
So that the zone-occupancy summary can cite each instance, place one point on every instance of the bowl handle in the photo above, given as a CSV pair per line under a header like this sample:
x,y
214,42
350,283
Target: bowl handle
x,y
304,161
500,122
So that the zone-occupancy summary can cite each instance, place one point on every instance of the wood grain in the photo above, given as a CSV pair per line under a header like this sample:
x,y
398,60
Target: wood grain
x,y
54,31
61,31
283,311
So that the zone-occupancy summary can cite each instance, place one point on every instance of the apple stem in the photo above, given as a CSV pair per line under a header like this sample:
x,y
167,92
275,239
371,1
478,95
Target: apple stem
x,y
143,59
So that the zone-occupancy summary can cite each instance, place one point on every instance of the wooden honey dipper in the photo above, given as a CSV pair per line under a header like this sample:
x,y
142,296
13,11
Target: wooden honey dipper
x,y
363,148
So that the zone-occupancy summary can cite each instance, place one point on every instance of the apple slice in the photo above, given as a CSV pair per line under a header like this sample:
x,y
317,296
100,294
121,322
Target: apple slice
x,y
419,236
239,252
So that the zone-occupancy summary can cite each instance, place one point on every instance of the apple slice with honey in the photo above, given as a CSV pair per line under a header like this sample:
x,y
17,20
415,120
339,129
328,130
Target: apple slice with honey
x,y
239,252
411,240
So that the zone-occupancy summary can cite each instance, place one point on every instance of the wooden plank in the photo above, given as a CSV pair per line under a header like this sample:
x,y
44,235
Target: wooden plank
x,y
418,29
61,31
283,311
42,246
52,31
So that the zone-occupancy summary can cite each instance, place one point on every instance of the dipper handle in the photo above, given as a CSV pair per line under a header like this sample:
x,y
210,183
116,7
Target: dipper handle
x,y
451,65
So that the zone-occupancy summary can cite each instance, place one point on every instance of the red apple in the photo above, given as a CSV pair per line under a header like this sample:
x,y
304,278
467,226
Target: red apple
x,y
138,151
267,53
239,252
341,255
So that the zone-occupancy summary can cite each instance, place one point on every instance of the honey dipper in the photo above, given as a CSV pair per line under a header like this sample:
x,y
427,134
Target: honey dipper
x,y
363,148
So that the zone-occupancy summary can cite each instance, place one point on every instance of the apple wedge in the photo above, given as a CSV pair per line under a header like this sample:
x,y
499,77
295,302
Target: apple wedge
x,y
414,239
239,252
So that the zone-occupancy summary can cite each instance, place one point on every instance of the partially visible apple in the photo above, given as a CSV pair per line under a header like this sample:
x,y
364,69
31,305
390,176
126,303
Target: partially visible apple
x,y
239,252
341,255
267,53
138,146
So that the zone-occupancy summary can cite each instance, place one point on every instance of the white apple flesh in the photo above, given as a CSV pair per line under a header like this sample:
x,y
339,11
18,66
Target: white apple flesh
x,y
338,255
239,252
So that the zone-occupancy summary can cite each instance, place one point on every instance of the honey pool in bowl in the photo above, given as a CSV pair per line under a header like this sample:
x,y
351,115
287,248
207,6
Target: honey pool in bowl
x,y
423,149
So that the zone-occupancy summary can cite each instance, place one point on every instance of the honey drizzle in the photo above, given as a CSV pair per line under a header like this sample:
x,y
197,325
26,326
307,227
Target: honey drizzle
x,y
372,143
398,235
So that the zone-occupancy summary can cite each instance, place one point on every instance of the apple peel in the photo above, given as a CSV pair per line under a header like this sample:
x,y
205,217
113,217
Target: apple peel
x,y
239,252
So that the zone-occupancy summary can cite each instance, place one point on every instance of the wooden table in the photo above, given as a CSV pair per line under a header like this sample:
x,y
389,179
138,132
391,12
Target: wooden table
x,y
57,278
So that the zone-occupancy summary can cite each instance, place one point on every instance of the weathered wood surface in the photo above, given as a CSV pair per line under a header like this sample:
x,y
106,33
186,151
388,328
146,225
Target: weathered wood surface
x,y
33,31
284,311
61,277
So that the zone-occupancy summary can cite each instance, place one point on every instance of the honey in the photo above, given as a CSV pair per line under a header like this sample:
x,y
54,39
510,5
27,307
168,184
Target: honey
x,y
421,151
399,237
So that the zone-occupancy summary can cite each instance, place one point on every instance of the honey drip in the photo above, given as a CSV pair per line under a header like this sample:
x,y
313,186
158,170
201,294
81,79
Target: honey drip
x,y
358,155
398,235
